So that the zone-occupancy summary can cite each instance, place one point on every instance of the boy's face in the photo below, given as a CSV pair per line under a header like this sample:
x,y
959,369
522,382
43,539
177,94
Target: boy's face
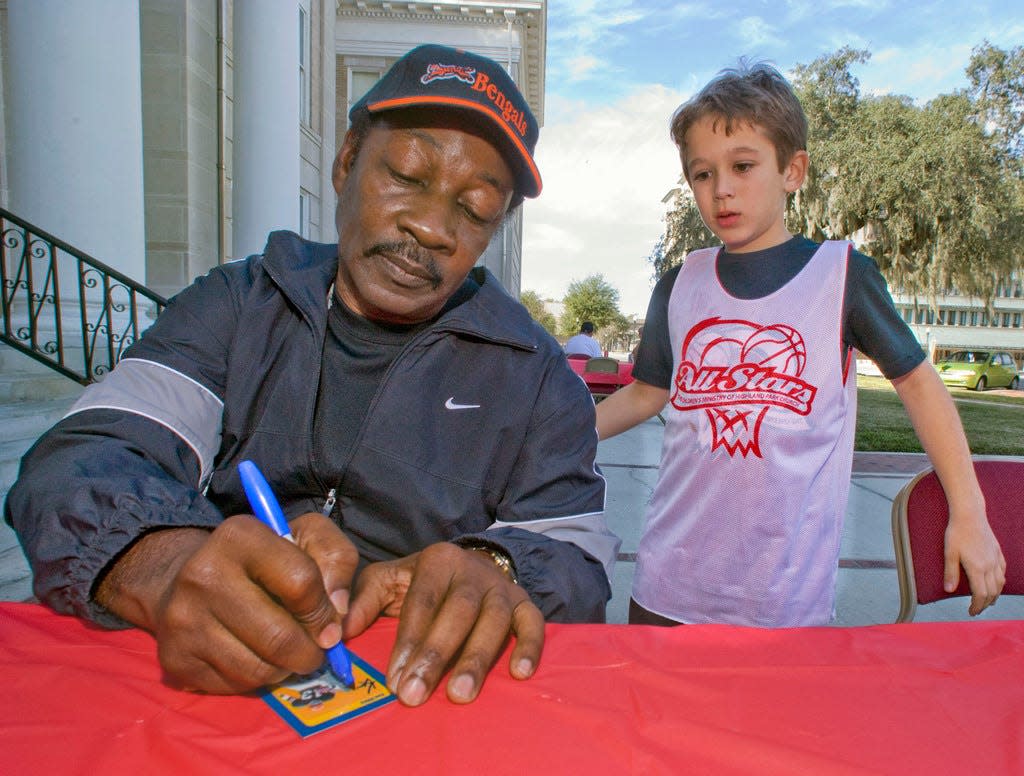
x,y
736,182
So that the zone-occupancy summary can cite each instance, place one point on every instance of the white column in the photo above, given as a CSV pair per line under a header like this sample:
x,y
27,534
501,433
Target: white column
x,y
75,119
266,121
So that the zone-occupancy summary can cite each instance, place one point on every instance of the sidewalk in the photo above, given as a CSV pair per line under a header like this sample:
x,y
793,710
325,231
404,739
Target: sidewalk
x,y
867,591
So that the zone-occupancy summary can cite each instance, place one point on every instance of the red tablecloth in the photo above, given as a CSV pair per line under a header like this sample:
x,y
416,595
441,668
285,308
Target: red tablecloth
x,y
603,382
922,698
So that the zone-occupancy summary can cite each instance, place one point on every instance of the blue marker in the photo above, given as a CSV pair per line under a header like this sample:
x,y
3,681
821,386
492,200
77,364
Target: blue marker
x,y
265,507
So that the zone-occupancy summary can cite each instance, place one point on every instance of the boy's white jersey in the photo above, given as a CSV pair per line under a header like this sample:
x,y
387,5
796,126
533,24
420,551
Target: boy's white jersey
x,y
746,518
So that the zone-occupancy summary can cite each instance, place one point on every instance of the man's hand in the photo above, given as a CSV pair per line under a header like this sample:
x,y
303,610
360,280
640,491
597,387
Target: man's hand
x,y
237,608
455,605
970,543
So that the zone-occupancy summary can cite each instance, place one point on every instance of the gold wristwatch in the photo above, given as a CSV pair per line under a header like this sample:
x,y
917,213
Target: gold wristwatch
x,y
497,553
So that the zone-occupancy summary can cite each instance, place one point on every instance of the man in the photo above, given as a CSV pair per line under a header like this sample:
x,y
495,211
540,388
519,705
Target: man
x,y
370,382
584,343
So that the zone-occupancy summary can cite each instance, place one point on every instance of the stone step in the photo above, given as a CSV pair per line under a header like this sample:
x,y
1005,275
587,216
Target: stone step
x,y
22,423
30,386
15,575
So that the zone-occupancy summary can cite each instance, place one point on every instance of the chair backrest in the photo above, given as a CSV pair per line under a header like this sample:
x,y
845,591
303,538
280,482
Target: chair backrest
x,y
602,364
920,513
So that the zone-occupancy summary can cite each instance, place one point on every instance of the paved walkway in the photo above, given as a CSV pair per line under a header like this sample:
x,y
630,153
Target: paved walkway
x,y
889,463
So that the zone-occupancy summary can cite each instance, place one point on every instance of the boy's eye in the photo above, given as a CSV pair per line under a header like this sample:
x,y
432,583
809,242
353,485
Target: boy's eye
x,y
743,166
703,175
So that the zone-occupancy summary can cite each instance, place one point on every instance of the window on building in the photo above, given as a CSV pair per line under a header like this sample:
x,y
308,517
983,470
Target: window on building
x,y
908,314
963,317
305,87
919,316
305,211
974,318
1006,320
1016,320
359,83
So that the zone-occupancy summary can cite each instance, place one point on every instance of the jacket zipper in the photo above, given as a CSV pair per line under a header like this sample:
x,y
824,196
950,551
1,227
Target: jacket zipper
x,y
328,506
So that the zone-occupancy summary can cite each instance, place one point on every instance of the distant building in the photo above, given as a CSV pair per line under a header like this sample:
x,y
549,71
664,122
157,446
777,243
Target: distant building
x,y
165,137
964,323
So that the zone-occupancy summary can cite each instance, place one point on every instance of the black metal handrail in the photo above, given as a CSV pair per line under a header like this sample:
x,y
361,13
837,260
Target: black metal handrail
x,y
64,308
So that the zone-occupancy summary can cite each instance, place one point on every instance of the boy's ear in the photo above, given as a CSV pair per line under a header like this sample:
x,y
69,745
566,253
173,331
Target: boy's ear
x,y
796,171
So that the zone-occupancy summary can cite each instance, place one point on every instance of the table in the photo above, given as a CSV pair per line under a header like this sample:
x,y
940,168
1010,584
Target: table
x,y
603,383
918,698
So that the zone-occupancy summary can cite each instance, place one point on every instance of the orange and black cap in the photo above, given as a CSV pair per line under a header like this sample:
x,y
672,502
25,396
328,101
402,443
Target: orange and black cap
x,y
449,78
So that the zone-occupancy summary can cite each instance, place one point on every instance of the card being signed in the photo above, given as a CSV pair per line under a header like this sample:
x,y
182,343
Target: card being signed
x,y
313,702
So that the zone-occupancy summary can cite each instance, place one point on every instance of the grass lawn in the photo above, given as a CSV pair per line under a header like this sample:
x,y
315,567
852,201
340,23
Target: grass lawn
x,y
994,422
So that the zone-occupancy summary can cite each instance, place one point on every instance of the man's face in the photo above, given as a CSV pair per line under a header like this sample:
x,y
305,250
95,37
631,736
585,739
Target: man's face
x,y
417,204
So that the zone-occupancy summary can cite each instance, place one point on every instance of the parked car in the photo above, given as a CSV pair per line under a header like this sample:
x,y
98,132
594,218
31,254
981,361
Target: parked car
x,y
979,369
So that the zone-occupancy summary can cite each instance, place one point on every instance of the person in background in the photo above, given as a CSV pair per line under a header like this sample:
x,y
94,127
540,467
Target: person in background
x,y
363,377
584,343
750,346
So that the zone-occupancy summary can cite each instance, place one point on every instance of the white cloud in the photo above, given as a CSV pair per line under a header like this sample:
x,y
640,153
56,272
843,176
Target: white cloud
x,y
755,31
605,171
580,67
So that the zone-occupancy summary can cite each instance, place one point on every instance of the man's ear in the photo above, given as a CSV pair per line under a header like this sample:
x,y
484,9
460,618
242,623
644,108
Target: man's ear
x,y
344,160
796,171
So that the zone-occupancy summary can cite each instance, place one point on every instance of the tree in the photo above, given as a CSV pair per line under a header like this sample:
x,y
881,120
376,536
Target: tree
x,y
685,231
620,333
921,189
591,299
997,90
535,306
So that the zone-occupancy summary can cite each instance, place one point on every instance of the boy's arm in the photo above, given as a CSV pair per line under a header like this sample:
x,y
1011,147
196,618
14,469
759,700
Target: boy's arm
x,y
628,406
969,539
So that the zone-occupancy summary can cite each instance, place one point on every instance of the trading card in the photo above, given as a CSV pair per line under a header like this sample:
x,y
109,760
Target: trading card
x,y
313,702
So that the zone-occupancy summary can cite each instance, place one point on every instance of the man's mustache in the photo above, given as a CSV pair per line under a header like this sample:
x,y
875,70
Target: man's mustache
x,y
411,252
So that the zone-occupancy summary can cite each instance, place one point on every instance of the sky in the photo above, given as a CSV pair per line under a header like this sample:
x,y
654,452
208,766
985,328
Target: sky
x,y
617,69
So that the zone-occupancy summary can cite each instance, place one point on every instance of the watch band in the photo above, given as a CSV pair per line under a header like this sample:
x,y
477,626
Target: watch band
x,y
497,553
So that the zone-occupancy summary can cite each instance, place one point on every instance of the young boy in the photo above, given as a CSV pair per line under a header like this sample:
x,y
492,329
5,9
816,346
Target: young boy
x,y
751,345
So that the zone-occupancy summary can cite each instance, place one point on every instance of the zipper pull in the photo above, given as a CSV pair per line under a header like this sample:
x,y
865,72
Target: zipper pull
x,y
329,504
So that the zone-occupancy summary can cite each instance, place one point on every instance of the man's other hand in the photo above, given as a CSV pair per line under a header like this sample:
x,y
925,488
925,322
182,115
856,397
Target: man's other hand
x,y
454,605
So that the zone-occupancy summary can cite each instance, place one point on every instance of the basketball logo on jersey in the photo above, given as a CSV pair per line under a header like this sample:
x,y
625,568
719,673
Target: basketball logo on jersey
x,y
736,371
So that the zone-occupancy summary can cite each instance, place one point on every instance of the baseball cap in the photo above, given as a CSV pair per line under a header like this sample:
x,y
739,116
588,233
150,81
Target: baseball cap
x,y
448,77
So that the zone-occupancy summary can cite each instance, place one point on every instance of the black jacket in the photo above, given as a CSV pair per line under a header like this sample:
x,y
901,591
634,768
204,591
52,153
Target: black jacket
x,y
230,371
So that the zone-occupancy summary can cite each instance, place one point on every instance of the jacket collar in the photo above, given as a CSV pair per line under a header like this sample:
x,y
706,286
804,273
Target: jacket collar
x,y
305,271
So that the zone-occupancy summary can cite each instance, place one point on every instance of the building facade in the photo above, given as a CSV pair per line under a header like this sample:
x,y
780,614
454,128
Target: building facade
x,y
164,137
966,323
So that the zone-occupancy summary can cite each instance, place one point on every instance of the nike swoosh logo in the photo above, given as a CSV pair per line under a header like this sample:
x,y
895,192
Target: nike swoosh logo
x,y
450,404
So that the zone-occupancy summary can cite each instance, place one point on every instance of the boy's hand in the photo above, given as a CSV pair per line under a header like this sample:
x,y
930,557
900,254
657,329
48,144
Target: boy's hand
x,y
970,543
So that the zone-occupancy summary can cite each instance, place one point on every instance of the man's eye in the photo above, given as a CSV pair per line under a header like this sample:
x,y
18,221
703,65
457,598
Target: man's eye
x,y
403,178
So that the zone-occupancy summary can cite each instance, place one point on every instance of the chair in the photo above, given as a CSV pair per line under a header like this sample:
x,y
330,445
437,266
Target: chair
x,y
919,516
602,364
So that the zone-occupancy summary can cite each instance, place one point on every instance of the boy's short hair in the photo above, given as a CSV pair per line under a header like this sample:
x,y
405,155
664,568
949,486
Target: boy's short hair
x,y
747,94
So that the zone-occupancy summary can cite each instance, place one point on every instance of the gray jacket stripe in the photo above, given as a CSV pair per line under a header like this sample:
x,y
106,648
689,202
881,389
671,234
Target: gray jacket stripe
x,y
589,532
165,396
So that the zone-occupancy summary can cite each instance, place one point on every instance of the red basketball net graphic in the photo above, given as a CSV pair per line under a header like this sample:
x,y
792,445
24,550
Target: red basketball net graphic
x,y
736,371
